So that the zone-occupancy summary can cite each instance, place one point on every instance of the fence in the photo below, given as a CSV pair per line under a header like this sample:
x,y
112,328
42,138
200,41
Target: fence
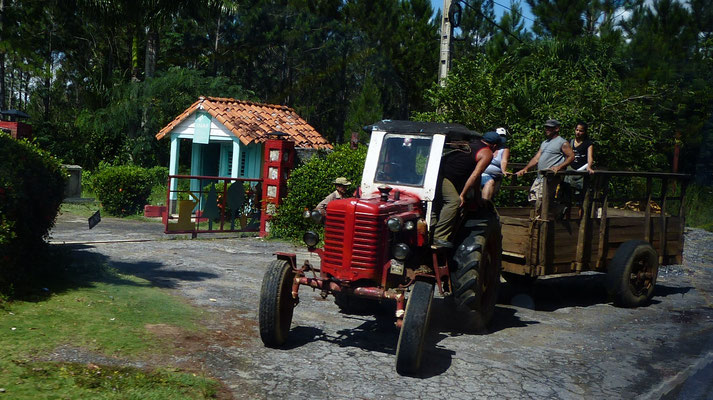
x,y
209,204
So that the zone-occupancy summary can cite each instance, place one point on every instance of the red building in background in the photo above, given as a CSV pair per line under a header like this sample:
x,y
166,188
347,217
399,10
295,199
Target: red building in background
x,y
11,123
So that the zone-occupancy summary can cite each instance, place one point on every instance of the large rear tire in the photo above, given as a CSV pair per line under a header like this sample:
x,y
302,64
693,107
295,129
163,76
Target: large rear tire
x,y
276,303
414,329
477,266
632,274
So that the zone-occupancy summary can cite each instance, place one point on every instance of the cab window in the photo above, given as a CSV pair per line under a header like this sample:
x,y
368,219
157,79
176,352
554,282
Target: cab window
x,y
403,160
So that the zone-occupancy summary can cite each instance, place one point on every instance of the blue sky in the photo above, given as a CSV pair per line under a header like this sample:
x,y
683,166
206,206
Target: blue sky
x,y
499,9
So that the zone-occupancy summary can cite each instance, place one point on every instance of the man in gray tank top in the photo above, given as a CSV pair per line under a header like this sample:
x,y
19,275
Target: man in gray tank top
x,y
555,154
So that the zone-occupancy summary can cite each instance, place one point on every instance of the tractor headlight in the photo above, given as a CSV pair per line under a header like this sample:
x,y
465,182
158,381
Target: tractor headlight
x,y
310,238
400,251
306,214
410,225
394,224
316,216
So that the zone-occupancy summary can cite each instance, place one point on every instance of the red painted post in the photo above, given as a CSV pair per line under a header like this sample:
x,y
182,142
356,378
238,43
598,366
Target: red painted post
x,y
278,161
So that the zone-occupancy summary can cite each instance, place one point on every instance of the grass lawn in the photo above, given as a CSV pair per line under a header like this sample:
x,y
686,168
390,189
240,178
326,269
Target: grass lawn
x,y
101,312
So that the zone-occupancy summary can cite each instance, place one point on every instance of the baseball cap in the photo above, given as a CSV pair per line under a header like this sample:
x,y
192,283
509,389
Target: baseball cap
x,y
492,137
342,181
552,123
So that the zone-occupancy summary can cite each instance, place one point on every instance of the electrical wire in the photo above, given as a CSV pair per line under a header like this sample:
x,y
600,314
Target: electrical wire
x,y
490,20
513,11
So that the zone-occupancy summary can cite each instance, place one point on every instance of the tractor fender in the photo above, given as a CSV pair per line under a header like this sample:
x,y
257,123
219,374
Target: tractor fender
x,y
289,257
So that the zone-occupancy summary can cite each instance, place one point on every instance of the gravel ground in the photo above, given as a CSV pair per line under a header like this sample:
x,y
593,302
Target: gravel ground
x,y
561,340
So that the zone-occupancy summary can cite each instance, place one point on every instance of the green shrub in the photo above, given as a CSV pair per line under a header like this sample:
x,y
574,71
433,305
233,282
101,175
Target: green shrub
x,y
32,184
312,182
699,206
122,189
159,176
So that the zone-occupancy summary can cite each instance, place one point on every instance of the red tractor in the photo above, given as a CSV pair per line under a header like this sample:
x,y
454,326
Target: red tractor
x,y
378,246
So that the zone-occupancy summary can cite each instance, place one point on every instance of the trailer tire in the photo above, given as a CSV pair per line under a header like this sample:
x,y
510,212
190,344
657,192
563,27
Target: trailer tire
x,y
632,273
477,261
276,303
409,349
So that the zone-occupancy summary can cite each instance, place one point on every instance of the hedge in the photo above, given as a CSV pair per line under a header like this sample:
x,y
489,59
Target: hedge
x,y
312,182
32,184
123,189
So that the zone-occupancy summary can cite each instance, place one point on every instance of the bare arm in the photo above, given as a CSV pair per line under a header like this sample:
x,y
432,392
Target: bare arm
x,y
569,157
531,164
504,160
590,159
484,158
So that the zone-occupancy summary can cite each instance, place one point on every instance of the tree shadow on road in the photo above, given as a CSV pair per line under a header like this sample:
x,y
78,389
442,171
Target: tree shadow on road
x,y
62,268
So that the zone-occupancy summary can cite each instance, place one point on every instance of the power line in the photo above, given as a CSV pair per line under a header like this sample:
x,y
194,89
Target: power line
x,y
490,20
513,11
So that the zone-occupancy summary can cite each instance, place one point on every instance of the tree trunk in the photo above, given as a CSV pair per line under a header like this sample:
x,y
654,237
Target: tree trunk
x,y
48,77
12,83
3,94
20,81
215,47
151,53
134,57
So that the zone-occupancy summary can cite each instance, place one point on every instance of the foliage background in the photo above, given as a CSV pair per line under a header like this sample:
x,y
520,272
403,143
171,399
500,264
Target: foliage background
x,y
312,182
32,186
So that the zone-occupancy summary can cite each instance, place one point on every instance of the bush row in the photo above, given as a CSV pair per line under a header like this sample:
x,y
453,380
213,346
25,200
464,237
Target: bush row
x,y
312,182
124,189
32,184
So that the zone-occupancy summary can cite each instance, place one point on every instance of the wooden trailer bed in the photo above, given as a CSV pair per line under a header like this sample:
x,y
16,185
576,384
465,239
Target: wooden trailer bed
x,y
548,243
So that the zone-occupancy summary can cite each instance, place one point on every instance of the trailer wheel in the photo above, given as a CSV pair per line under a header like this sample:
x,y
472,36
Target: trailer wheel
x,y
632,274
276,303
477,260
414,328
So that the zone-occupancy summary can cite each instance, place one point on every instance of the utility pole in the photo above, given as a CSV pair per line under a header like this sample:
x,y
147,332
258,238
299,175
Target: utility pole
x,y
444,64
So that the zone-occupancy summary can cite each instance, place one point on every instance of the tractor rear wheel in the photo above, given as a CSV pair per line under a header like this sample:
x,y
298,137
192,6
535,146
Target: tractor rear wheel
x,y
632,274
477,266
414,328
276,303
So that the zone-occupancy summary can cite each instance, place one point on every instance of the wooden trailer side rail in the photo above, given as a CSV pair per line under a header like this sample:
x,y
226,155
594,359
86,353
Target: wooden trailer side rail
x,y
541,244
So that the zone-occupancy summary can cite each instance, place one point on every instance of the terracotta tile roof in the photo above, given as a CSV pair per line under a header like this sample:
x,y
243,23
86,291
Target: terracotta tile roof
x,y
251,122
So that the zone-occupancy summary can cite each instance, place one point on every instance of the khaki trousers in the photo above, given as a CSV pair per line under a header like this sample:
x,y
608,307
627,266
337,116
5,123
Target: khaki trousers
x,y
444,214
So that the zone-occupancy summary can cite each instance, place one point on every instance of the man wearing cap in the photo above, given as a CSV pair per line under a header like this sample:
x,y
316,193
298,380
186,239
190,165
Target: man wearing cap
x,y
342,185
555,154
460,171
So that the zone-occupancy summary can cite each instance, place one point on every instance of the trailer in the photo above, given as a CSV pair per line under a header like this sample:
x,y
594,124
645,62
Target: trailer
x,y
627,242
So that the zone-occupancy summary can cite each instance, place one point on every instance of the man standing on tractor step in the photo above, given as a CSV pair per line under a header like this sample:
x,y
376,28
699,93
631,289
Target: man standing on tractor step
x,y
460,172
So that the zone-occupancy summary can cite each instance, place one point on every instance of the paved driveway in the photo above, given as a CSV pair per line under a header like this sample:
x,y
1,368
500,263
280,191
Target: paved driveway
x,y
562,340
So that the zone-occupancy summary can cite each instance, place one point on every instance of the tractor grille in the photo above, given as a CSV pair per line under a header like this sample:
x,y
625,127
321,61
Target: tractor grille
x,y
352,243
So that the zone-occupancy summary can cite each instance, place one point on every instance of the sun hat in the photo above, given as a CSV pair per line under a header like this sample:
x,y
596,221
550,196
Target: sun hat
x,y
342,181
502,131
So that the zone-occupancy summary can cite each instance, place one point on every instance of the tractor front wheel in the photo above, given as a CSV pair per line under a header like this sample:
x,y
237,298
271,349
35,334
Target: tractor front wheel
x,y
276,303
414,328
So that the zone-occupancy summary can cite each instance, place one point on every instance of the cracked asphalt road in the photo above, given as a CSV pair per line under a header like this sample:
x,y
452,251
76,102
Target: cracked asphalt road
x,y
561,340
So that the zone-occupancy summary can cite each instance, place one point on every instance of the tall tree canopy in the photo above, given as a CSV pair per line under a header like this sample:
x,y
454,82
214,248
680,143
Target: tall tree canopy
x,y
100,77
